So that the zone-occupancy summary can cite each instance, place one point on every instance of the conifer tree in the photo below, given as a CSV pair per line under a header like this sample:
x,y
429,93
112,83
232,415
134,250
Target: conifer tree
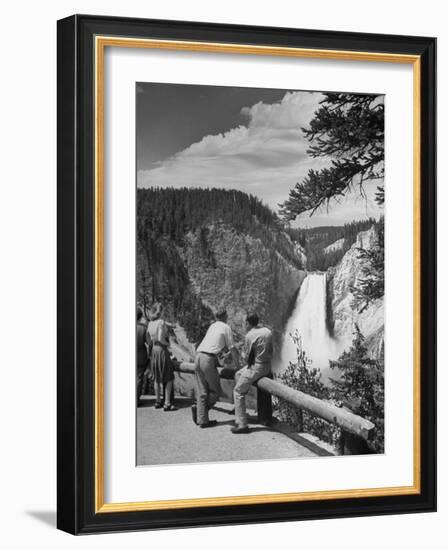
x,y
302,376
370,285
361,385
349,130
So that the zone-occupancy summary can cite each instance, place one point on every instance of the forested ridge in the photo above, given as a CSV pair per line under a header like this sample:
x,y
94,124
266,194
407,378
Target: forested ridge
x,y
172,213
314,241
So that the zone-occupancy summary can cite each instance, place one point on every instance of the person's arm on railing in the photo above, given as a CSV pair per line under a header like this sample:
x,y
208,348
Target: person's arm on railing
x,y
235,357
230,345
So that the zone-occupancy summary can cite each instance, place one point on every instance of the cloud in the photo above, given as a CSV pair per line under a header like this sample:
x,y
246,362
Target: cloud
x,y
293,112
273,134
266,157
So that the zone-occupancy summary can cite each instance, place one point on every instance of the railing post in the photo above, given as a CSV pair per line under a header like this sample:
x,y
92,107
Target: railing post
x,y
300,420
350,444
341,443
264,405
356,445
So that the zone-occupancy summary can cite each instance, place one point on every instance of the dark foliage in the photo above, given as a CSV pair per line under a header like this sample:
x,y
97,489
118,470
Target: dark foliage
x,y
349,130
361,386
173,213
162,277
302,376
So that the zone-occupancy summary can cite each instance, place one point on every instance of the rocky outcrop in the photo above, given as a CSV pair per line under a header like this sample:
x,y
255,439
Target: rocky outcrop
x,y
301,253
343,315
337,245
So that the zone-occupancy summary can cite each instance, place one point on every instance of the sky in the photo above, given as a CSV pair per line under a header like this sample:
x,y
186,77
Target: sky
x,y
248,139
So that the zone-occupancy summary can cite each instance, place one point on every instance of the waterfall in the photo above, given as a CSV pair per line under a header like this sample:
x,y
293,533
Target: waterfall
x,y
309,320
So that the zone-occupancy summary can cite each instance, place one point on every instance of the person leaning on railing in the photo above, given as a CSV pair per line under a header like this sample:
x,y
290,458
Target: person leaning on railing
x,y
259,349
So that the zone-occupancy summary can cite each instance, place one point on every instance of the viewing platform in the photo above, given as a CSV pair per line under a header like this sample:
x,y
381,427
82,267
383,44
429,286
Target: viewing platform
x,y
173,438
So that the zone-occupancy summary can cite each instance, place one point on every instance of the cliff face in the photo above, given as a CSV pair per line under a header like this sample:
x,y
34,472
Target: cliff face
x,y
234,270
218,267
343,316
228,268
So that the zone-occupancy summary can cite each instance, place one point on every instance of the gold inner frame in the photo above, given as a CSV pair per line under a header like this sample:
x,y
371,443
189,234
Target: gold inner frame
x,y
101,42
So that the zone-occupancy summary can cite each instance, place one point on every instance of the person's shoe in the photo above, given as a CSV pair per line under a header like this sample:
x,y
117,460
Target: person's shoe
x,y
158,405
194,414
240,430
170,408
209,424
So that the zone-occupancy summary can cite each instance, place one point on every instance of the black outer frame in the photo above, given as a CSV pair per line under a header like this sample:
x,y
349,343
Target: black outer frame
x,y
75,402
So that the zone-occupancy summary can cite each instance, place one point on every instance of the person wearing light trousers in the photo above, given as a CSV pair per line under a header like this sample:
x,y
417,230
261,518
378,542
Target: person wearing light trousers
x,y
259,347
208,385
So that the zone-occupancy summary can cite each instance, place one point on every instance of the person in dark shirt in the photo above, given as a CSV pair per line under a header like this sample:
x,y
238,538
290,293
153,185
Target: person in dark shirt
x,y
142,353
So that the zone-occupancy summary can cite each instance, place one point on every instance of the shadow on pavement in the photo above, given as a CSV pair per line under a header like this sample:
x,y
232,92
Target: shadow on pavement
x,y
148,401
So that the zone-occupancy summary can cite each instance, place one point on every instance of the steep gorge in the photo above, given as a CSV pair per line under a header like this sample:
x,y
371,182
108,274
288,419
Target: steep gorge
x,y
202,250
240,273
235,257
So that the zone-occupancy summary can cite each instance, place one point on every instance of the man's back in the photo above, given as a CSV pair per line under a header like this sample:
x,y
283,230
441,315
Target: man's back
x,y
218,337
259,345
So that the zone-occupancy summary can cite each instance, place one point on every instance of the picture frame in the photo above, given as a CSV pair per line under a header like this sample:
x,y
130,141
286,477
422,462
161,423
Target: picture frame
x,y
82,41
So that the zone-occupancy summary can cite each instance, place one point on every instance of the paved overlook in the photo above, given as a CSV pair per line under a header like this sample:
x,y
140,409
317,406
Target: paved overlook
x,y
172,438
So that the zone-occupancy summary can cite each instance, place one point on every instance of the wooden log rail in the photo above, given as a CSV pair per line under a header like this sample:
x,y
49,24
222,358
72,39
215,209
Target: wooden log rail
x,y
356,431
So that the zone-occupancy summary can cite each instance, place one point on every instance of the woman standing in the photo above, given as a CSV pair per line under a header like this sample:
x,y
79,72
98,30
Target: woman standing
x,y
161,365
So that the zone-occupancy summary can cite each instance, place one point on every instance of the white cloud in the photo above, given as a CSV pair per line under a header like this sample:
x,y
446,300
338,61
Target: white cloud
x,y
294,111
266,158
273,130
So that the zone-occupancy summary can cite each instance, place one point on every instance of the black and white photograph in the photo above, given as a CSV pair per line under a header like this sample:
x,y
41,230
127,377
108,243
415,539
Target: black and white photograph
x,y
260,273
220,255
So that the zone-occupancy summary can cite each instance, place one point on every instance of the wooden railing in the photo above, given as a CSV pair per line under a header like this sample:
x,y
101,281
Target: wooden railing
x,y
355,430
